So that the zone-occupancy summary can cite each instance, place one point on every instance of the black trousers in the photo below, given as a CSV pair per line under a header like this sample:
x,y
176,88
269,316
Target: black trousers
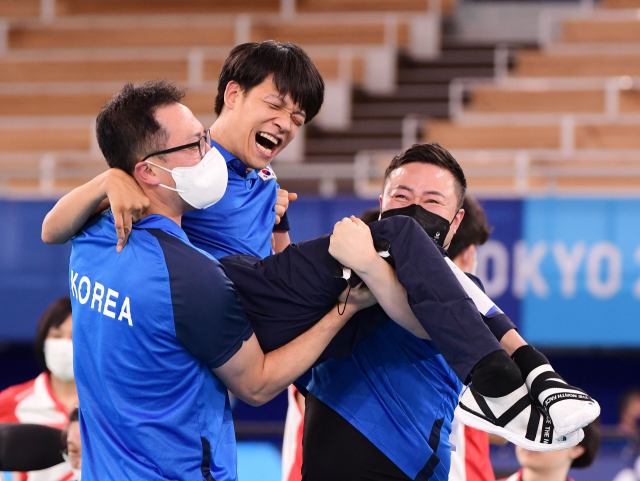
x,y
285,294
334,450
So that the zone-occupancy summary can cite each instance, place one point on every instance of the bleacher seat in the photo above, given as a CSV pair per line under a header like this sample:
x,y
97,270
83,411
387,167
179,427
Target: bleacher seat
x,y
163,7
108,70
543,64
316,6
504,136
503,100
621,3
45,138
601,31
19,8
131,36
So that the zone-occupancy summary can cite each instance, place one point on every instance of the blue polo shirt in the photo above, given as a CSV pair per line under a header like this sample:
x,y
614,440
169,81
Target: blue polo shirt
x,y
149,325
399,392
242,221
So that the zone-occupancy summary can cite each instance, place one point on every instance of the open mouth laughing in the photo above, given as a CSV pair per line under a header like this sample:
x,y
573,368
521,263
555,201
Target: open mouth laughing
x,y
267,143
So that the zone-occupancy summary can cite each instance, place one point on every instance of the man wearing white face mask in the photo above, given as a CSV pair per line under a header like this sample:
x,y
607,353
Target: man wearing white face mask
x,y
49,398
159,330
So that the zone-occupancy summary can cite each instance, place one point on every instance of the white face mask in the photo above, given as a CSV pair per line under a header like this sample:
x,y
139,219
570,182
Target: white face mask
x,y
203,184
58,354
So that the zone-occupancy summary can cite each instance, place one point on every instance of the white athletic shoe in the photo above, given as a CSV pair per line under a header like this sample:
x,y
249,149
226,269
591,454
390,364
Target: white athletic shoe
x,y
570,408
515,418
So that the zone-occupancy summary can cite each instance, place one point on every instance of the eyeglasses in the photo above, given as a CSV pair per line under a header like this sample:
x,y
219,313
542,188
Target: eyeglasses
x,y
202,144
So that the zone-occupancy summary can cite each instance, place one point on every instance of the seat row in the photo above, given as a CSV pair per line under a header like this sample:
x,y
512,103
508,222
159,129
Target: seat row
x,y
31,8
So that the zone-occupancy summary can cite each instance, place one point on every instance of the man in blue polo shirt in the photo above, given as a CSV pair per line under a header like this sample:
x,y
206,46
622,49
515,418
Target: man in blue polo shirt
x,y
159,331
266,91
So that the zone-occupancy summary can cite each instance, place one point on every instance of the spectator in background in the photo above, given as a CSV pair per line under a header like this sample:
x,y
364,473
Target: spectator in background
x,y
473,232
47,399
629,426
629,410
555,465
71,438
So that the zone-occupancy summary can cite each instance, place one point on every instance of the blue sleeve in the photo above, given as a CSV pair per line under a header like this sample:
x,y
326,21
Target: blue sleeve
x,y
499,324
208,318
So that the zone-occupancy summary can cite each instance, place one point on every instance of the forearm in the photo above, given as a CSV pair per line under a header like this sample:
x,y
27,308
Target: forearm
x,y
72,211
286,364
282,240
383,282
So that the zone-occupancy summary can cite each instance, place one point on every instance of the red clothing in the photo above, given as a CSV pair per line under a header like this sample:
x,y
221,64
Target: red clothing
x,y
292,442
518,477
470,461
35,403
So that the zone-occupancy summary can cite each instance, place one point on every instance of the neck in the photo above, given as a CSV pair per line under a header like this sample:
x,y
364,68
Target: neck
x,y
164,202
165,212
221,133
542,475
66,392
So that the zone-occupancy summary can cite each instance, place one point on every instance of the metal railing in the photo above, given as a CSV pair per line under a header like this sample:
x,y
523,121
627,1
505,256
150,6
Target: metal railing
x,y
518,167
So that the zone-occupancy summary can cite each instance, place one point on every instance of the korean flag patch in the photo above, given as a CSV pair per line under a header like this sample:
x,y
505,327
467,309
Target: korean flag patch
x,y
267,173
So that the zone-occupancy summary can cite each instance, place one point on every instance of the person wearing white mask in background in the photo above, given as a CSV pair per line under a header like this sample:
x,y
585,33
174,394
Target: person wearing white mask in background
x,y
48,398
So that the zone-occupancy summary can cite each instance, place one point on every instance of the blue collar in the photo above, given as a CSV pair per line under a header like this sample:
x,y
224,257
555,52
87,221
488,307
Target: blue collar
x,y
163,223
235,163
228,156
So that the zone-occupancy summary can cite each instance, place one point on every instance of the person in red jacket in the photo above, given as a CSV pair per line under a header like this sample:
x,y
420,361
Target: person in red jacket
x,y
49,398
555,465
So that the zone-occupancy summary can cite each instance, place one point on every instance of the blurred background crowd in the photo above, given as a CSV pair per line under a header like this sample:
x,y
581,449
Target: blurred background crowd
x,y
539,101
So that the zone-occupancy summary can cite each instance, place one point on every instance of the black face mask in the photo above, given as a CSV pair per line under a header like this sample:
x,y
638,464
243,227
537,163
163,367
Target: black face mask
x,y
435,226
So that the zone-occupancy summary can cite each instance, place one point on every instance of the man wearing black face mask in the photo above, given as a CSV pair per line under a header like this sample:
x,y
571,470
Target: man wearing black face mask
x,y
392,420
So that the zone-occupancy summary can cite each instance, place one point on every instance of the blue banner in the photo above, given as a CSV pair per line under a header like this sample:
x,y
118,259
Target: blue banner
x,y
567,271
577,271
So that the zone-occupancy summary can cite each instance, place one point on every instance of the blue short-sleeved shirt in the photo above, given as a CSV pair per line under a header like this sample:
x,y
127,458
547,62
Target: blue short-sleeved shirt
x,y
399,392
242,221
149,324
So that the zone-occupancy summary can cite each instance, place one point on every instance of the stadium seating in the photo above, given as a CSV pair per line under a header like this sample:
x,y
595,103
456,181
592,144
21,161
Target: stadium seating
x,y
543,64
163,7
63,60
317,6
576,96
601,31
20,8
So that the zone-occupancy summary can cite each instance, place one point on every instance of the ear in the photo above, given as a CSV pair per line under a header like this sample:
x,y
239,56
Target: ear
x,y
576,451
456,221
144,174
468,254
231,94
380,200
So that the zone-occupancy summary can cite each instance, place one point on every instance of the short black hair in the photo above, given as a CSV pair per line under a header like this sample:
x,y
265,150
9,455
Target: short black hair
x,y
127,128
473,230
294,73
591,445
370,215
54,316
431,153
74,417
